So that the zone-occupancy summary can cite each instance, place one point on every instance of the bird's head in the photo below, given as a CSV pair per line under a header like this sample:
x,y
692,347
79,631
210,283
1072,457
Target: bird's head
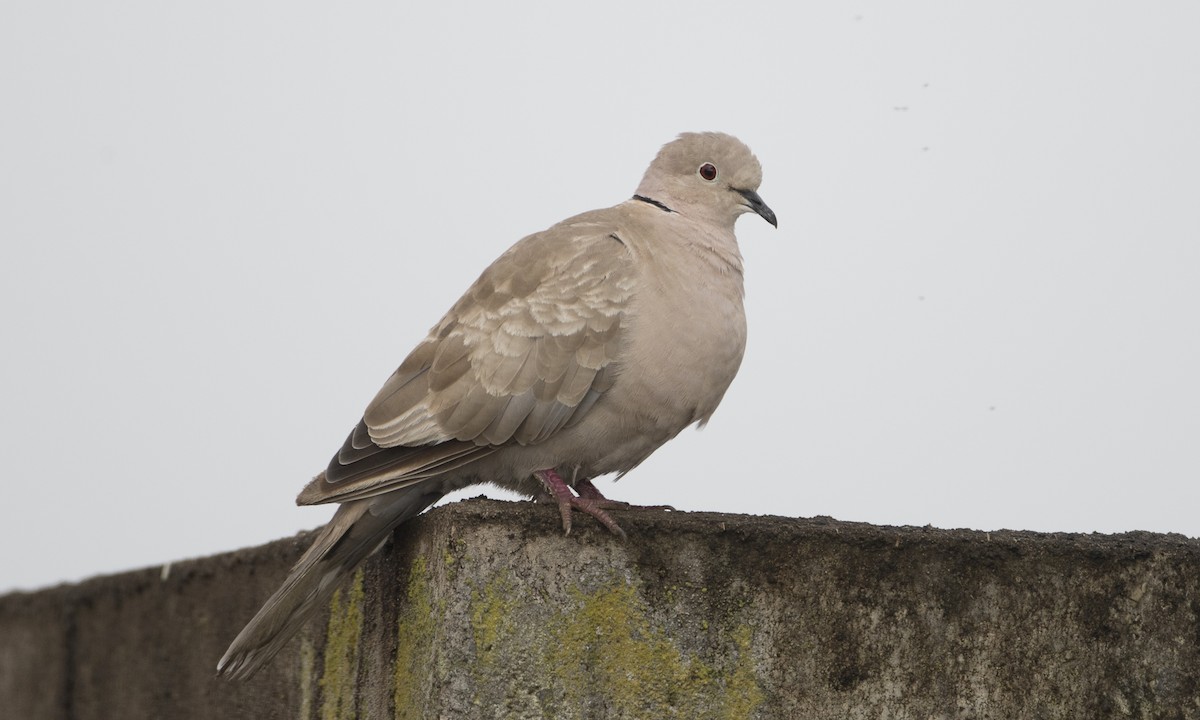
x,y
711,175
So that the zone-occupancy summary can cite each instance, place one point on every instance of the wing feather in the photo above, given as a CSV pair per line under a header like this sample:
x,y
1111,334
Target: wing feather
x,y
529,349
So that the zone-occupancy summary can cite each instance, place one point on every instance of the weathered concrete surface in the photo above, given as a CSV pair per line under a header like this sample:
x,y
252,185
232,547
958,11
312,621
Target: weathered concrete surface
x,y
484,610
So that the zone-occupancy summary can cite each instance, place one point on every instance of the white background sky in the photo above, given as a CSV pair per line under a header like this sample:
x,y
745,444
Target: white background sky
x,y
225,223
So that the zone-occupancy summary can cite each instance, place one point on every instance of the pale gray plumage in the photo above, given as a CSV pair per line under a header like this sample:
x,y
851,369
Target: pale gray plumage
x,y
579,352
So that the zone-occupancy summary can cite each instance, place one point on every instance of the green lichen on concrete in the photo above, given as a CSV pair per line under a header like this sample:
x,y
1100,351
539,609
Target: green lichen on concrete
x,y
308,659
742,693
609,645
492,612
416,628
600,648
455,550
342,636
609,640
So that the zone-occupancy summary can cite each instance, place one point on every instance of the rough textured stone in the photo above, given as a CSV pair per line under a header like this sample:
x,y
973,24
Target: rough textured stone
x,y
484,610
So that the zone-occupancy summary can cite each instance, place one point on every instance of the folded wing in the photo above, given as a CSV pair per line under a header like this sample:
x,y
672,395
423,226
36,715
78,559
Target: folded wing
x,y
524,353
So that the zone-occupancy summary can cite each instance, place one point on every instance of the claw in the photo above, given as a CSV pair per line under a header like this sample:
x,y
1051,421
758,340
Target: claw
x,y
589,501
588,491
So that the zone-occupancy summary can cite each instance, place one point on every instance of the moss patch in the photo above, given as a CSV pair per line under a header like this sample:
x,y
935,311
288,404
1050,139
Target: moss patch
x,y
341,653
610,646
601,652
492,612
417,629
308,660
742,693
610,641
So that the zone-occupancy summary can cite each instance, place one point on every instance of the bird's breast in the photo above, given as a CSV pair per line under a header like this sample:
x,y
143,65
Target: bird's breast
x,y
688,335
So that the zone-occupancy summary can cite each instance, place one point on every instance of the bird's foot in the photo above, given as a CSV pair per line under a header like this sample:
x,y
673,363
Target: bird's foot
x,y
589,501
588,491
585,498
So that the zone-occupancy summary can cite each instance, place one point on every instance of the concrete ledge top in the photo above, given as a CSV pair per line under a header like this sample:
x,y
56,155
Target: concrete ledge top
x,y
484,609
643,523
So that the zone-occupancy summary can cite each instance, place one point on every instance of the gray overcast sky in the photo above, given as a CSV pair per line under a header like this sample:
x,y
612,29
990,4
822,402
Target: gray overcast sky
x,y
225,223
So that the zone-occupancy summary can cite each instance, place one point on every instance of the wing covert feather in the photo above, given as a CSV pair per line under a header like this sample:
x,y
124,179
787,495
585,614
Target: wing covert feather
x,y
527,351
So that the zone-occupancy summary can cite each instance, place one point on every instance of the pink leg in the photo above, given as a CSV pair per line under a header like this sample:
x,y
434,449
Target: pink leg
x,y
587,490
587,502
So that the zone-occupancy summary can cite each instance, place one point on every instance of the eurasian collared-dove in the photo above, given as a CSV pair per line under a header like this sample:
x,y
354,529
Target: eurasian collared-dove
x,y
578,353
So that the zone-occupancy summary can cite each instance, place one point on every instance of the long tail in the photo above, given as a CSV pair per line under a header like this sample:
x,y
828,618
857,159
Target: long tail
x,y
356,530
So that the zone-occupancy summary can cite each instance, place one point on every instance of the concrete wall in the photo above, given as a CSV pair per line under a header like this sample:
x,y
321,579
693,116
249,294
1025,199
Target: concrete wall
x,y
485,610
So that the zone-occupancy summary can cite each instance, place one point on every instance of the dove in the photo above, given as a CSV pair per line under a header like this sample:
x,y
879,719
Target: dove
x,y
576,354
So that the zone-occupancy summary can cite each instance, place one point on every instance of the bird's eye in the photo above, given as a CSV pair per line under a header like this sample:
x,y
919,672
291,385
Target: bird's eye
x,y
708,171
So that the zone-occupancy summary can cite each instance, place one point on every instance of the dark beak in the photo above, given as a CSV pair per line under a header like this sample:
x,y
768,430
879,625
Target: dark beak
x,y
755,203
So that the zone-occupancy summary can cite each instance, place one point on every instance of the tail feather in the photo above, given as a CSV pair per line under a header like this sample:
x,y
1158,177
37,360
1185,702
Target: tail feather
x,y
356,530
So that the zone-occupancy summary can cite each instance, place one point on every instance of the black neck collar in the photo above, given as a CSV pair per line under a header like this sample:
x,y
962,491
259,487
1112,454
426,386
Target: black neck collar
x,y
653,202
